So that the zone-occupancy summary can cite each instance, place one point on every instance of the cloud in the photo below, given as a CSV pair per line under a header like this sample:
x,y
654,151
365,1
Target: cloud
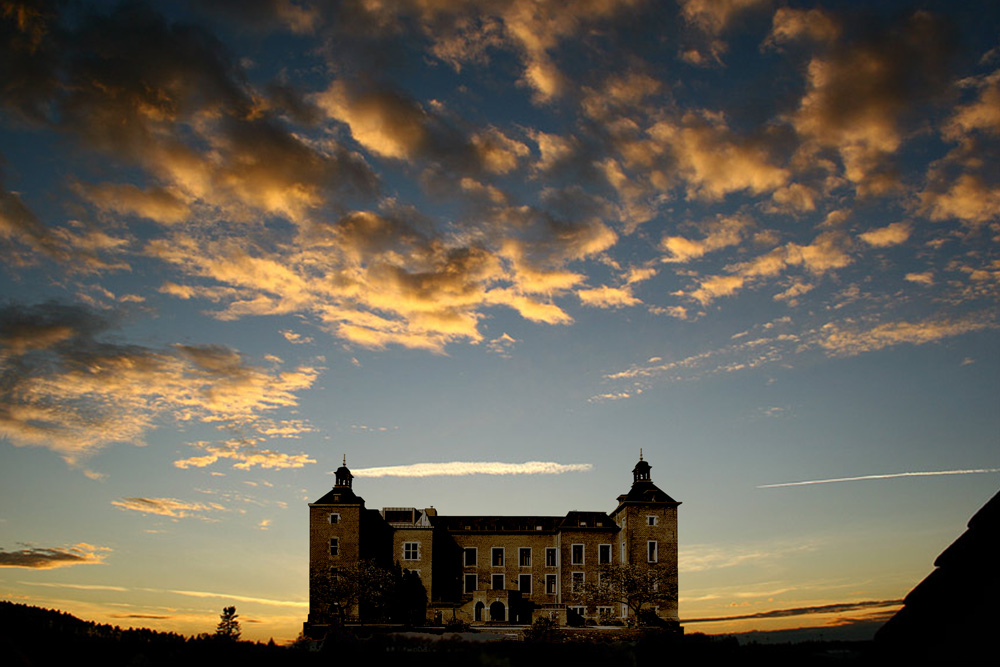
x,y
724,232
883,237
816,25
860,95
828,251
923,278
502,345
607,297
462,468
386,278
703,557
895,475
714,160
245,454
68,387
168,507
835,608
850,340
777,341
40,558
298,604
158,204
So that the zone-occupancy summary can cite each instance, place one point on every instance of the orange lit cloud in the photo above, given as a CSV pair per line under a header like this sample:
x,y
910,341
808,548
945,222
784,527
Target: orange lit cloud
x,y
168,507
72,391
893,234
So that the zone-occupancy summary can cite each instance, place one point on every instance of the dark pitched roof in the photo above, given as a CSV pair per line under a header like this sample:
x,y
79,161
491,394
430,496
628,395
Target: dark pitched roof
x,y
645,491
952,614
340,495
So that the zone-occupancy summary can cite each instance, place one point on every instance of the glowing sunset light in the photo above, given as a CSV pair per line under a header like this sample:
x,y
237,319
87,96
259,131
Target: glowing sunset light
x,y
489,250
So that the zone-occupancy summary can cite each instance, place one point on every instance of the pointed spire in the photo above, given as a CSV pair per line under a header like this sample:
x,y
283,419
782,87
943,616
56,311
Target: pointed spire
x,y
640,453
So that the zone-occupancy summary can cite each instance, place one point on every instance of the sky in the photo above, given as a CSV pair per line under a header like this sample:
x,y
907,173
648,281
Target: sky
x,y
488,250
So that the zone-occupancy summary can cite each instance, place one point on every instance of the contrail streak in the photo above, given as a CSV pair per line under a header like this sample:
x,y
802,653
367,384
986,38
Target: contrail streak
x,y
930,473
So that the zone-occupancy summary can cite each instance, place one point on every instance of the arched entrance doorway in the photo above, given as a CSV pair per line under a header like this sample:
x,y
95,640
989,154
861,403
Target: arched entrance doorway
x,y
479,610
498,611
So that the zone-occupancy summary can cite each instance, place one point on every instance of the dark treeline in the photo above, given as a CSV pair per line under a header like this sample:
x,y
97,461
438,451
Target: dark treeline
x,y
34,636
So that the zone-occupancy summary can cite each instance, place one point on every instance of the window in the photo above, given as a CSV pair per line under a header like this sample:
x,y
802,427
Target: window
x,y
623,552
411,550
650,520
604,612
524,556
334,574
471,583
550,584
334,518
651,551
334,546
550,556
604,553
577,556
524,584
577,582
471,556
497,557
579,611
497,582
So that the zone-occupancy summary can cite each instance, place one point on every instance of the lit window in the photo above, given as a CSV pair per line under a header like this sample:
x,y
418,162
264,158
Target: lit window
x,y
471,583
524,556
651,551
577,582
550,556
411,550
577,554
334,546
334,518
497,582
604,553
524,584
497,557
471,556
550,584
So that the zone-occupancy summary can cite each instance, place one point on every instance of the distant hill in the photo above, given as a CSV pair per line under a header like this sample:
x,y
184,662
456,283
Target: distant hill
x,y
35,636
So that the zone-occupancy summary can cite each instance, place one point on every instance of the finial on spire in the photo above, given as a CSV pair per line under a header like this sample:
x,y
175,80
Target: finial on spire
x,y
345,458
640,453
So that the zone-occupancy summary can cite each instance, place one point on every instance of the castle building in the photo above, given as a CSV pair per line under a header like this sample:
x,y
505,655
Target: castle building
x,y
497,569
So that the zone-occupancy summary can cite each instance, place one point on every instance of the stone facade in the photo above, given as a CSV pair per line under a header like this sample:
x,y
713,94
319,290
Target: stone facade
x,y
497,569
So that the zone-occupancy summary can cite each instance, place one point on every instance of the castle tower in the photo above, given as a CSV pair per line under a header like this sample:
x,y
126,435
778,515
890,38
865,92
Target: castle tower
x,y
334,539
647,517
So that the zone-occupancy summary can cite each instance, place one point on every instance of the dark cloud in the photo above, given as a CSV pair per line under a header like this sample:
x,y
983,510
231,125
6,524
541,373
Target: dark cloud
x,y
40,558
837,608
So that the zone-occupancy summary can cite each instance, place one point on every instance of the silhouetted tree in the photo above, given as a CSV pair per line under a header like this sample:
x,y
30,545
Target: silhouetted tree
x,y
408,602
229,627
364,586
634,586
